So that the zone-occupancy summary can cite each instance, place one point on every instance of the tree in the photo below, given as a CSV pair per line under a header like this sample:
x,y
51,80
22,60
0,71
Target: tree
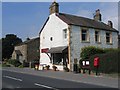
x,y
8,44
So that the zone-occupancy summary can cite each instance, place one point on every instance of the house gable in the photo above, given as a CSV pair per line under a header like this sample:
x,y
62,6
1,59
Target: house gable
x,y
52,31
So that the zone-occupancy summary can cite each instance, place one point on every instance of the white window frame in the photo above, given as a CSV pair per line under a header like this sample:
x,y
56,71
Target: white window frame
x,y
98,36
87,39
65,33
110,37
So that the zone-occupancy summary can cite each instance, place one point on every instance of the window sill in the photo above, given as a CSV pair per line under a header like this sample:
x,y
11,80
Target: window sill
x,y
98,42
85,41
109,43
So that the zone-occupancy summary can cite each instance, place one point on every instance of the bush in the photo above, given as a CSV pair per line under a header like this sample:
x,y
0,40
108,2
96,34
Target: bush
x,y
90,50
21,66
5,65
108,62
14,62
110,50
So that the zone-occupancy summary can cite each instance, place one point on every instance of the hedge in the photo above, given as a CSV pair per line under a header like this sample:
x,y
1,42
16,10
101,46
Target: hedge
x,y
90,50
108,62
14,62
108,58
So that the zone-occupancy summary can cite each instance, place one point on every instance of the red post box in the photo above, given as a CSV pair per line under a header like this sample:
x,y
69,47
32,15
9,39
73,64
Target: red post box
x,y
96,61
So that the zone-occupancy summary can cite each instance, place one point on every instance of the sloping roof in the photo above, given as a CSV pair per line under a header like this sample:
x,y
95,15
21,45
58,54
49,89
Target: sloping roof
x,y
57,49
28,41
84,22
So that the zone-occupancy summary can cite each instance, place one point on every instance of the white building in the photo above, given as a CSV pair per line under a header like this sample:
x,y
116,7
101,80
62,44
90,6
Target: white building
x,y
63,35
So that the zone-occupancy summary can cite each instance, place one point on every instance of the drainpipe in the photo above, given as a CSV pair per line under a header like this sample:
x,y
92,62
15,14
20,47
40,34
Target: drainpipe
x,y
69,48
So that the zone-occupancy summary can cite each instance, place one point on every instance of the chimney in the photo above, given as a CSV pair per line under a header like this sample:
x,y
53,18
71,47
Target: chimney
x,y
27,38
110,24
97,15
54,8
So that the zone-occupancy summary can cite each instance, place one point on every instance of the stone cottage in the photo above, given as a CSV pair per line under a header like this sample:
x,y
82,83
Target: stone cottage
x,y
27,51
63,35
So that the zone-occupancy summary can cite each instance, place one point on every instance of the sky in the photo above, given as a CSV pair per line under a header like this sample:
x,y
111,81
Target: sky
x,y
0,19
25,19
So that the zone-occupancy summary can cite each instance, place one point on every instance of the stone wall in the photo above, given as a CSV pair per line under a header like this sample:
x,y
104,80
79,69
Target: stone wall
x,y
77,44
33,50
23,50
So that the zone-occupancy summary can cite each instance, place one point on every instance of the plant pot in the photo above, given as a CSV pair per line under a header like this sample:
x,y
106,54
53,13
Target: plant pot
x,y
47,68
54,69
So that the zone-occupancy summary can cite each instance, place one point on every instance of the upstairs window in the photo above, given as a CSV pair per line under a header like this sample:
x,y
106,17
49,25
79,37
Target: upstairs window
x,y
108,37
65,33
97,36
51,38
84,35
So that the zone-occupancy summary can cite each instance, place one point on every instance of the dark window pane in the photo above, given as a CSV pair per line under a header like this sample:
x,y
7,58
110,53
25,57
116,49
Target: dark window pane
x,y
108,37
96,36
84,35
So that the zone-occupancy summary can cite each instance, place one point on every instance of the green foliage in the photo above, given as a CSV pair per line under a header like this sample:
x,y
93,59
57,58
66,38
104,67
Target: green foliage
x,y
8,44
21,66
5,65
90,50
15,63
108,62
110,50
108,58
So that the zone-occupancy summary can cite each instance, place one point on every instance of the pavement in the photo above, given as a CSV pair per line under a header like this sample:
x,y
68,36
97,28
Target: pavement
x,y
70,76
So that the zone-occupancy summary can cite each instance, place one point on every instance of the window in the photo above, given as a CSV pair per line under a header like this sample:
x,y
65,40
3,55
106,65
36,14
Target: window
x,y
108,37
84,35
65,33
97,36
51,38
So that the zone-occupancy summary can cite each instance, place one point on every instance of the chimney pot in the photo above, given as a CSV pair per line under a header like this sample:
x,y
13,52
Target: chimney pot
x,y
110,24
97,15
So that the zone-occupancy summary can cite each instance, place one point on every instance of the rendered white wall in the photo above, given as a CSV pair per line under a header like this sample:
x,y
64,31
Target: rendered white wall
x,y
53,28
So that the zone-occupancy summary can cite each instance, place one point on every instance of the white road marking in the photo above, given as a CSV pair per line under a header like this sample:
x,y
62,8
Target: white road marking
x,y
13,78
45,86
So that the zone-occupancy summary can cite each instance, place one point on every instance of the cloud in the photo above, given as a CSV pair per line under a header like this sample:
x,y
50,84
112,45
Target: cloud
x,y
109,11
84,13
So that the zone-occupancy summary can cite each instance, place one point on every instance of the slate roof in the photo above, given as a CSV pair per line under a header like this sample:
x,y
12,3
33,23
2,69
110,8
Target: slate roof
x,y
28,41
84,22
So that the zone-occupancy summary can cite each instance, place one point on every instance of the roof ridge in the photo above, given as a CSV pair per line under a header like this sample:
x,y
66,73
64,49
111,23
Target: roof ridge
x,y
77,16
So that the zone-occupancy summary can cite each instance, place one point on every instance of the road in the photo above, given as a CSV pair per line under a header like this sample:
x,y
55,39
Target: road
x,y
19,80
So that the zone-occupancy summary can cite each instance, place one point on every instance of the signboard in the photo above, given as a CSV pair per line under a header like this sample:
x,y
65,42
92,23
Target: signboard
x,y
45,50
85,63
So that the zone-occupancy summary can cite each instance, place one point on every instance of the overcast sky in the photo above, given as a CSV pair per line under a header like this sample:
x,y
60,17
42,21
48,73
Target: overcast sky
x,y
26,19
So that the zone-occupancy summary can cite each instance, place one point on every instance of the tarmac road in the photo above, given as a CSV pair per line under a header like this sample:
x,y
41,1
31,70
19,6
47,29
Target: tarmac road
x,y
20,80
